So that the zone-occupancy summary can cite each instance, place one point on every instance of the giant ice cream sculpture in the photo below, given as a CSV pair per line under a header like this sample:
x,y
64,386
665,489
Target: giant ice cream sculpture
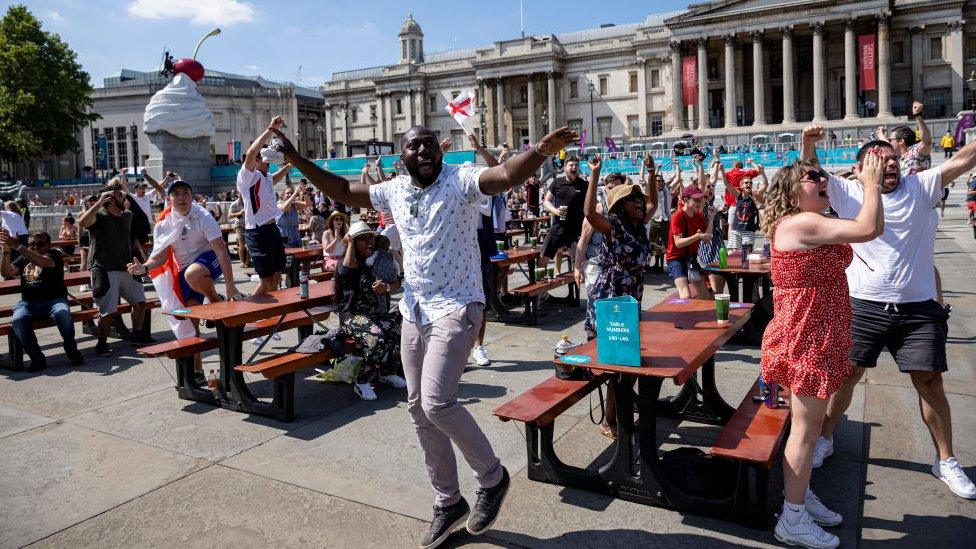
x,y
180,127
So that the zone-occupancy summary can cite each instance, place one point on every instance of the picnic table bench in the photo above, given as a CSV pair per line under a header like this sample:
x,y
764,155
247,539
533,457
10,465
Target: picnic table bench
x,y
232,319
531,293
743,451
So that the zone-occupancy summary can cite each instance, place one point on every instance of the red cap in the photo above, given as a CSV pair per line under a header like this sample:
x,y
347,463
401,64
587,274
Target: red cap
x,y
691,192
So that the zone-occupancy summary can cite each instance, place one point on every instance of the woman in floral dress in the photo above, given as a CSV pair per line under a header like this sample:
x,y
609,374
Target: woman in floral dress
x,y
625,254
362,318
806,346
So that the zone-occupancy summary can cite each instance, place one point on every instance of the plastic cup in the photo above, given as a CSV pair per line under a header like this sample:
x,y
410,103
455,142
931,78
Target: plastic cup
x,y
551,271
500,245
540,273
722,305
304,242
563,212
533,240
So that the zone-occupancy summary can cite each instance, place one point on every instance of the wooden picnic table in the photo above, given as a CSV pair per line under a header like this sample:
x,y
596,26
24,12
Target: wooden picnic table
x,y
12,286
61,243
230,318
678,338
530,225
755,280
525,254
301,257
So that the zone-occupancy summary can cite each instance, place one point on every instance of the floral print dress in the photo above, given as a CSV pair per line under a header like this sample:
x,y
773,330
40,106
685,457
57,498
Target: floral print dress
x,y
624,258
362,318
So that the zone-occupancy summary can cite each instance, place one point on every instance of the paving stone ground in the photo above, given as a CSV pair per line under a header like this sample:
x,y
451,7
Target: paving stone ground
x,y
106,455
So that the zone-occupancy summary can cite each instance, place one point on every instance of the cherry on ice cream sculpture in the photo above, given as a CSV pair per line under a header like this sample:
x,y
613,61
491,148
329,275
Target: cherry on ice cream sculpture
x,y
190,67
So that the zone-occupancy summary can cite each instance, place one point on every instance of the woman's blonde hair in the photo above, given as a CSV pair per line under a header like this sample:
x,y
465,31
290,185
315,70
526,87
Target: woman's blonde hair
x,y
781,196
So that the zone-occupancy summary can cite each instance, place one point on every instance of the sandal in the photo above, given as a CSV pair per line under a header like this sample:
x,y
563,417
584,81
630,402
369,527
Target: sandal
x,y
608,431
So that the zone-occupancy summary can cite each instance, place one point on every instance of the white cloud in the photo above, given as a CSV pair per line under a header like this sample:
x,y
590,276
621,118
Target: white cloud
x,y
199,12
314,80
252,68
55,16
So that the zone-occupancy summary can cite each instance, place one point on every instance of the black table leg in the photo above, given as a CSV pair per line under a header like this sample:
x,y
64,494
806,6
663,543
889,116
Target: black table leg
x,y
232,389
699,403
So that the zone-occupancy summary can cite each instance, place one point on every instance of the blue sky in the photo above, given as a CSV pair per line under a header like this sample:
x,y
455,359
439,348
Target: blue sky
x,y
272,38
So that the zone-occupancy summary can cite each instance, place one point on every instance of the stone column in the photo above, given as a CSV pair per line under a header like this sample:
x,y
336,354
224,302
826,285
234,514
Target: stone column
x,y
819,73
531,97
329,138
884,66
789,114
554,121
957,65
421,107
730,119
677,98
389,126
380,118
850,72
918,62
758,80
641,97
409,100
344,132
500,109
703,84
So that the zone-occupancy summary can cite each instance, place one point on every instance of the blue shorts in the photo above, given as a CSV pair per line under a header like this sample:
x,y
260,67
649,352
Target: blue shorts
x,y
209,260
684,268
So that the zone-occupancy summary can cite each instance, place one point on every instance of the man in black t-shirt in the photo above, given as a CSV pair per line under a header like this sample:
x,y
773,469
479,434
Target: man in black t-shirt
x,y
43,294
564,201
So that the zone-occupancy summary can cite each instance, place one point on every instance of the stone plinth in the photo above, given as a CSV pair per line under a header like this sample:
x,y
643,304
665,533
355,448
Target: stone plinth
x,y
191,158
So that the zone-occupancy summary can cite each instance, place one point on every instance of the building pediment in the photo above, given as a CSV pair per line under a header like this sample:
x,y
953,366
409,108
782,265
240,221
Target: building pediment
x,y
736,12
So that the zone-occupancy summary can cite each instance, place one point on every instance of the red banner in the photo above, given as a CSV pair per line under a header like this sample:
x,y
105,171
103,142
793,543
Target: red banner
x,y
689,79
867,57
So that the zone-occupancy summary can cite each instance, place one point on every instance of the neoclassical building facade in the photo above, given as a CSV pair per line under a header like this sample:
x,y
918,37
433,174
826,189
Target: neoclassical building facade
x,y
726,69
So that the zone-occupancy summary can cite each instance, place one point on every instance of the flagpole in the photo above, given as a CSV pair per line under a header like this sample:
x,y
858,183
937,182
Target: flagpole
x,y
522,18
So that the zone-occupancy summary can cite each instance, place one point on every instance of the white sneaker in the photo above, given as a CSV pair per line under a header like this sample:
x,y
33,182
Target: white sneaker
x,y
480,355
262,339
949,472
818,511
804,533
823,450
394,380
364,391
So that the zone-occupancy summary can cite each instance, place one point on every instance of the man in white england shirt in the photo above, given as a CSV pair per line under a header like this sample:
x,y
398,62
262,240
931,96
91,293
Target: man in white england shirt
x,y
892,287
435,208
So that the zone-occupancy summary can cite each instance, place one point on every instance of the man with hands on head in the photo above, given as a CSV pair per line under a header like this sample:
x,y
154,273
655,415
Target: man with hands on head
x,y
435,207
261,235
892,288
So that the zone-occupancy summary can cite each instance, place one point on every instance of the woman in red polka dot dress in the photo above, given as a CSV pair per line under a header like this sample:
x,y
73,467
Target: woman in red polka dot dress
x,y
806,345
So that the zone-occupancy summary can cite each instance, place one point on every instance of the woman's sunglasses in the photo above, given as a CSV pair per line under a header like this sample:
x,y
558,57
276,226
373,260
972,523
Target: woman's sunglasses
x,y
816,176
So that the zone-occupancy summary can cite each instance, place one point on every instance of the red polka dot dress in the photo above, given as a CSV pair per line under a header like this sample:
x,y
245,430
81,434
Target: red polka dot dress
x,y
806,346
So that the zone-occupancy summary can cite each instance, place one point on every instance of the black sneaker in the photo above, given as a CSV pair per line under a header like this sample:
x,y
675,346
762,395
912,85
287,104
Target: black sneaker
x,y
102,349
199,379
488,504
446,520
76,358
36,364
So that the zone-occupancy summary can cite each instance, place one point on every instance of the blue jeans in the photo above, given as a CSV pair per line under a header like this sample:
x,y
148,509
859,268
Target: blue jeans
x,y
57,309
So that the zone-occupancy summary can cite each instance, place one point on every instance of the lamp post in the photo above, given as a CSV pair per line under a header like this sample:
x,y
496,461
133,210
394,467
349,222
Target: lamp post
x,y
591,113
320,129
196,50
545,122
372,120
482,109
971,82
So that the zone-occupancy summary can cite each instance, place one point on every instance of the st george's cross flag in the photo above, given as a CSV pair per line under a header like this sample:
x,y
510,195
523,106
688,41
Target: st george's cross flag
x,y
461,108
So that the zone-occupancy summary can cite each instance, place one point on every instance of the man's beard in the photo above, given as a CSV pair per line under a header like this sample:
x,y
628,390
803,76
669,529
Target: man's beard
x,y
424,182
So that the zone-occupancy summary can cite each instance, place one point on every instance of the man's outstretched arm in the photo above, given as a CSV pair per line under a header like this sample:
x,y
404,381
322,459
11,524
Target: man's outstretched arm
x,y
517,169
960,163
335,187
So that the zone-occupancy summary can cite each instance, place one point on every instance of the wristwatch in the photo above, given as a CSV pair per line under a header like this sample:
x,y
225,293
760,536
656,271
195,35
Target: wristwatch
x,y
538,151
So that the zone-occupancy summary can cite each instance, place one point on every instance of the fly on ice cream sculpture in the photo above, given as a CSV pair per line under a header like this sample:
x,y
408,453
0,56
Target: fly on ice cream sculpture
x,y
179,124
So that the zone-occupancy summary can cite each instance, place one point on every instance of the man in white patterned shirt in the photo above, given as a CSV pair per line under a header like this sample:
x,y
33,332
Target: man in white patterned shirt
x,y
435,208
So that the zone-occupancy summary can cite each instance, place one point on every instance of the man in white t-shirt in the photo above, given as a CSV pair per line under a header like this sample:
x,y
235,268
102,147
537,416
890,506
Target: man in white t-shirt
x,y
435,208
892,287
261,236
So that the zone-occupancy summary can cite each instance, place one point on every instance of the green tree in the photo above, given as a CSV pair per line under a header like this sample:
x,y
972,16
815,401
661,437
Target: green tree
x,y
44,93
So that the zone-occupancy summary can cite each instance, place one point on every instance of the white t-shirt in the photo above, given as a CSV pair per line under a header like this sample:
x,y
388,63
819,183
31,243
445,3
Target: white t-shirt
x,y
899,265
441,258
145,202
260,201
199,228
13,222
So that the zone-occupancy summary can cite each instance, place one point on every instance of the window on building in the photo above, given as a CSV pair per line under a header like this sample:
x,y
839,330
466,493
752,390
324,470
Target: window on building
x,y
604,126
970,46
713,68
576,125
897,53
355,114
403,49
657,124
247,122
454,94
524,95
936,103
121,152
399,106
604,85
458,142
633,82
573,89
633,126
110,143
655,78
899,103
935,48
432,103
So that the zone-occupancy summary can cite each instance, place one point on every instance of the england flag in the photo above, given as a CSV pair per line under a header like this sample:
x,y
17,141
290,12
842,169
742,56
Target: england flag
x,y
461,108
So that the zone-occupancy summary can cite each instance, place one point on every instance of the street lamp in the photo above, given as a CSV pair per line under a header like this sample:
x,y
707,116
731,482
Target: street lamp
x,y
214,32
320,129
372,120
482,109
591,113
545,122
971,82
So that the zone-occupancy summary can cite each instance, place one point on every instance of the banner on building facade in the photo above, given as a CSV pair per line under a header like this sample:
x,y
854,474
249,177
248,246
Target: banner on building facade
x,y
689,79
101,153
237,152
868,56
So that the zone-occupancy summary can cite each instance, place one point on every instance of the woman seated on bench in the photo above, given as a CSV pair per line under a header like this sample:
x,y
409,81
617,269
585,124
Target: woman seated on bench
x,y
625,253
363,317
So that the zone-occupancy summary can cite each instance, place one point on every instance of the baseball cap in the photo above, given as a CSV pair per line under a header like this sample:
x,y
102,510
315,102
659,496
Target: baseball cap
x,y
178,183
691,192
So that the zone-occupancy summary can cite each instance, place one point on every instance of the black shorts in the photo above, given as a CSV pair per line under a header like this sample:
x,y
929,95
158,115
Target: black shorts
x,y
558,236
266,248
914,333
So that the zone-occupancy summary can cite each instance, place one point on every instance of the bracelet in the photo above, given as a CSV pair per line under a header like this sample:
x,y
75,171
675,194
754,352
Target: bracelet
x,y
537,151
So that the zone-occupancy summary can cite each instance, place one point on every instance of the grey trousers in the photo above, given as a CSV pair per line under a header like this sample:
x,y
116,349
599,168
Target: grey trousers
x,y
434,357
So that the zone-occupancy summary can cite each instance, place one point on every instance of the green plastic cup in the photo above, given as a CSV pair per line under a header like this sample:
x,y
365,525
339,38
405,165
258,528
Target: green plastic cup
x,y
551,272
722,304
500,244
540,273
533,240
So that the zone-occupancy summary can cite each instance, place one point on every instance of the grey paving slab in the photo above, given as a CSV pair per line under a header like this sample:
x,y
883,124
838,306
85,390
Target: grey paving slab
x,y
369,453
13,421
222,507
58,475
